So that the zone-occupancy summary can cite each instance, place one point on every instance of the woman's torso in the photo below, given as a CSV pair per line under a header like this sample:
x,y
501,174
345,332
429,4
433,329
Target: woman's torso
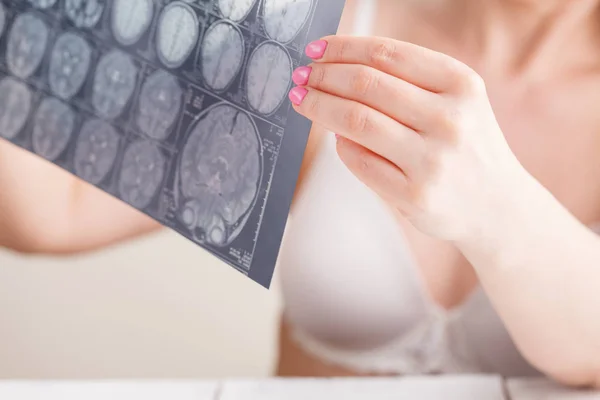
x,y
364,289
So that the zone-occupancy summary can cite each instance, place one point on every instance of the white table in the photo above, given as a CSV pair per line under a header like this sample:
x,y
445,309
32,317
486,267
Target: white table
x,y
422,388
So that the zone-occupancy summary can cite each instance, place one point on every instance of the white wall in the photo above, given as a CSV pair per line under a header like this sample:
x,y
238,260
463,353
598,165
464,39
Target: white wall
x,y
157,308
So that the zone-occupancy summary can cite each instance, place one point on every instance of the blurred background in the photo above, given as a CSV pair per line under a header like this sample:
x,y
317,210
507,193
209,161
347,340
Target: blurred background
x,y
156,308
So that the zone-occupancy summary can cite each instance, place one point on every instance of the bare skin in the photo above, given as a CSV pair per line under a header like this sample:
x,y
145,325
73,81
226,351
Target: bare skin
x,y
541,65
540,61
47,210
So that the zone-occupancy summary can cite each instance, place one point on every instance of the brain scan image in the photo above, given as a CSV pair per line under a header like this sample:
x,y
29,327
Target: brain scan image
x,y
2,19
84,13
69,65
15,105
96,151
53,127
235,10
131,19
220,172
283,19
159,105
177,34
269,77
114,84
42,4
222,55
142,174
27,42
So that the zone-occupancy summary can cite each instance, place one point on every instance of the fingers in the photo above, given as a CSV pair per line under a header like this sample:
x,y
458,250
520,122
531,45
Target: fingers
x,y
366,126
427,69
383,177
398,99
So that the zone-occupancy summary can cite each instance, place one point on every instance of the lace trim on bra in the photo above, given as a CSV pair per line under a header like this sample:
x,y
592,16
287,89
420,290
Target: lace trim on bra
x,y
427,349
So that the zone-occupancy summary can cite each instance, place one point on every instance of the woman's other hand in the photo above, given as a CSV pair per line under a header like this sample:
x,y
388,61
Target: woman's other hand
x,y
414,125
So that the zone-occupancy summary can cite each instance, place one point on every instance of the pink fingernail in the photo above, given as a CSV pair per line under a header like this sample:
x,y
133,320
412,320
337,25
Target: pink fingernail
x,y
316,50
337,137
301,76
297,95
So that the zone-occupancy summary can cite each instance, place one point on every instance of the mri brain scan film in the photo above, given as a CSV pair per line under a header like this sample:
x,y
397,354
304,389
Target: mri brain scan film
x,y
235,10
15,105
53,126
178,108
284,19
69,65
177,34
269,77
222,55
114,84
142,173
26,46
43,4
131,19
159,105
2,19
84,13
220,174
96,150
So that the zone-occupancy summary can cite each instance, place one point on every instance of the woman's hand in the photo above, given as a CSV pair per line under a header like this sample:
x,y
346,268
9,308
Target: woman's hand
x,y
417,127
414,125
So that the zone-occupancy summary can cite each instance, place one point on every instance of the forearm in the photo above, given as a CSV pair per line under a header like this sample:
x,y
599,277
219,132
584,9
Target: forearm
x,y
541,269
98,220
46,210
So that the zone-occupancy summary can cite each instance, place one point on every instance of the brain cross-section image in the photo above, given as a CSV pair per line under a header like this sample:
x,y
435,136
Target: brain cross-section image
x,y
131,19
269,77
222,55
283,19
2,19
96,151
69,65
15,105
42,4
114,84
142,173
159,105
235,10
220,171
26,47
177,34
84,13
53,127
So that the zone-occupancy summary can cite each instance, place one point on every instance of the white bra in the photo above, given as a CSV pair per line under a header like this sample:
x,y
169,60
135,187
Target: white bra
x,y
352,292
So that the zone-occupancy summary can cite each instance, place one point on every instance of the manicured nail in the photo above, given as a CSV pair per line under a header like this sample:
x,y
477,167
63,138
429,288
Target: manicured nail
x,y
315,50
297,95
301,76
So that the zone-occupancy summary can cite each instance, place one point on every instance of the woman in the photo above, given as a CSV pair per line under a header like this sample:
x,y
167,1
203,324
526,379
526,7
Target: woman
x,y
446,228
423,240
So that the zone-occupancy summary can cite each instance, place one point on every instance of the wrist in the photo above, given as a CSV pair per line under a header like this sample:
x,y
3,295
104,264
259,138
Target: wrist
x,y
513,207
